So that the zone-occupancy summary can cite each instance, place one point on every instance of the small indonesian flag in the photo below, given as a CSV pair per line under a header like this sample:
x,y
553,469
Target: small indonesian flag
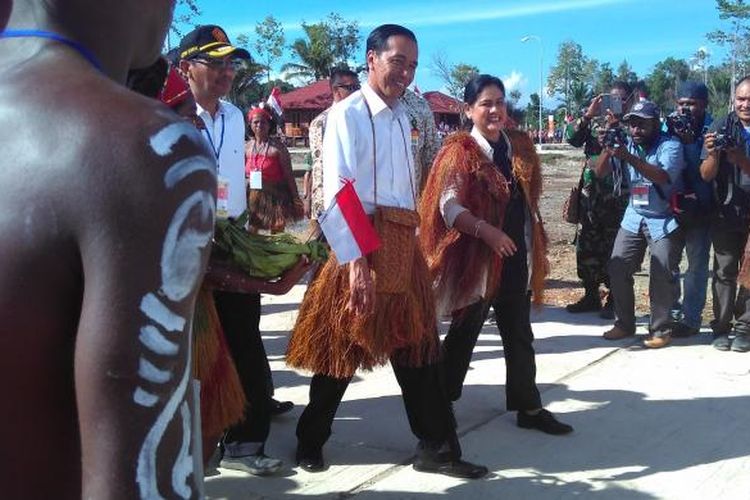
x,y
275,102
347,227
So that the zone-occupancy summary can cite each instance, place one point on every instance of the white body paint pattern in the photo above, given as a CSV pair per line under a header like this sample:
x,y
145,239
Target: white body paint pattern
x,y
181,260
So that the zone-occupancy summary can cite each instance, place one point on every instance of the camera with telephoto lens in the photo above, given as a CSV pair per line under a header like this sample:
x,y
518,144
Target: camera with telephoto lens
x,y
614,137
681,123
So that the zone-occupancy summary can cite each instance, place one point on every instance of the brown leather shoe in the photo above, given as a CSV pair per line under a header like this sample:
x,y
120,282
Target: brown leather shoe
x,y
616,333
657,342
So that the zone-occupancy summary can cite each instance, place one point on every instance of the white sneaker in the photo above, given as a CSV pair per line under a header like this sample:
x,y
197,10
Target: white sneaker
x,y
257,465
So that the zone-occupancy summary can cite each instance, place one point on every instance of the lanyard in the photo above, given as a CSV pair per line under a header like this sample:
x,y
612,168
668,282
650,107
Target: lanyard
x,y
254,156
217,152
77,46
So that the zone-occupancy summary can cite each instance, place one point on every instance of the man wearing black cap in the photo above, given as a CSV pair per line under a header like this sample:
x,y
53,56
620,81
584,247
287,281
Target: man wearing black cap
x,y
726,162
208,60
688,124
654,163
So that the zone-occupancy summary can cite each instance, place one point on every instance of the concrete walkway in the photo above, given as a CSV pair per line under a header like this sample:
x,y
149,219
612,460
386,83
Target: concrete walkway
x,y
672,423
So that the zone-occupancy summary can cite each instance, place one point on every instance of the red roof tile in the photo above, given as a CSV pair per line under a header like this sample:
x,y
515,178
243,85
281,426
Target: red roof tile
x,y
316,96
441,103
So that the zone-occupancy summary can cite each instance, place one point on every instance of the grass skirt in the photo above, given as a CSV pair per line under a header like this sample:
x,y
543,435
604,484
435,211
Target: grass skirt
x,y
273,206
328,339
222,398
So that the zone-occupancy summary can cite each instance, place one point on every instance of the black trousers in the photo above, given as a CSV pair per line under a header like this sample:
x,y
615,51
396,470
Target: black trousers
x,y
427,407
731,300
239,315
512,314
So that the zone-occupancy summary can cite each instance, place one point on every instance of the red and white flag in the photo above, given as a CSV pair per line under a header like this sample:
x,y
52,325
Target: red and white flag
x,y
346,226
274,100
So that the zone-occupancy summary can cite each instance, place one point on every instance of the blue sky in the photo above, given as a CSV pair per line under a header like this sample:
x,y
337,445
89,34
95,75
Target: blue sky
x,y
487,33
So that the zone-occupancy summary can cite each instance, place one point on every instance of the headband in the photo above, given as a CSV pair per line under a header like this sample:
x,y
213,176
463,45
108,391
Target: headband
x,y
259,111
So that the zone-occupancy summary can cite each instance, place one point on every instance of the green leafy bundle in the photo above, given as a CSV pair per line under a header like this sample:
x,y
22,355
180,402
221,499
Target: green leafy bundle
x,y
263,256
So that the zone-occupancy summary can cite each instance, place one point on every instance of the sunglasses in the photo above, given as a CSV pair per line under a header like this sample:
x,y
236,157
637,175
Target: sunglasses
x,y
351,87
220,64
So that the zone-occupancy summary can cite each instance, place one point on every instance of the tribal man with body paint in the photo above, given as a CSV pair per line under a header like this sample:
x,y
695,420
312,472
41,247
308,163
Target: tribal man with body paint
x,y
107,204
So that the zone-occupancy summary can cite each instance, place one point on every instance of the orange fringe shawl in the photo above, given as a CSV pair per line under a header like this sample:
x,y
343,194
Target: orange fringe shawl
x,y
328,339
222,398
456,260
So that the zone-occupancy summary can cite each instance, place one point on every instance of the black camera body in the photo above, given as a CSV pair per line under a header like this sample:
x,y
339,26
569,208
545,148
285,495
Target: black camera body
x,y
681,123
614,137
724,140
728,135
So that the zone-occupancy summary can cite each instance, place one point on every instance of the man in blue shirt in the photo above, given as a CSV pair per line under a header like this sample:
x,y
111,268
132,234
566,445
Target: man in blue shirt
x,y
654,163
726,162
696,203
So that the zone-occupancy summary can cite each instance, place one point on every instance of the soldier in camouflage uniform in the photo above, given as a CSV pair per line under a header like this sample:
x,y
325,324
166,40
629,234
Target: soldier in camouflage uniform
x,y
602,202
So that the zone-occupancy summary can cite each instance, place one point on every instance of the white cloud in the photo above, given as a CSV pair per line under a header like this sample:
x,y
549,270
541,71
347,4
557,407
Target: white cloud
x,y
516,80
482,13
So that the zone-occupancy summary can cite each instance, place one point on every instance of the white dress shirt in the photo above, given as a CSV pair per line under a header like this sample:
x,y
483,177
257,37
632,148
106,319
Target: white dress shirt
x,y
225,135
348,152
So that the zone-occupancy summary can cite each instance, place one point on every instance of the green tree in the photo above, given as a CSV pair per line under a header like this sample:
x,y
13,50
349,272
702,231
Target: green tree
x,y
571,66
532,111
663,81
454,76
269,42
700,62
580,97
737,36
719,89
246,88
329,43
604,79
625,73
185,14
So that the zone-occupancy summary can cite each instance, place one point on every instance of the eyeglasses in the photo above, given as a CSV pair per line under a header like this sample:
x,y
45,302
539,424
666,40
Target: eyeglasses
x,y
351,87
220,64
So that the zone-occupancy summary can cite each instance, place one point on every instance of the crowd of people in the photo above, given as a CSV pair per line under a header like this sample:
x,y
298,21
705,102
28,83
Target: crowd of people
x,y
112,297
668,186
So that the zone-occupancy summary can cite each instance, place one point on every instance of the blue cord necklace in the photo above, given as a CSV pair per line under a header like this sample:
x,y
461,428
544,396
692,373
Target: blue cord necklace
x,y
77,46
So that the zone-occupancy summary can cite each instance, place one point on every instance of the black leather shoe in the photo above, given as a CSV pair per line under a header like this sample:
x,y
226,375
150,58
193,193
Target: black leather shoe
x,y
722,342
280,407
311,462
741,343
543,421
453,468
587,303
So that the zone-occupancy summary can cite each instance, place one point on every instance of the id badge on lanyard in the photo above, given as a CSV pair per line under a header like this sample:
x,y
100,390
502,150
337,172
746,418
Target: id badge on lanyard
x,y
640,192
222,198
255,180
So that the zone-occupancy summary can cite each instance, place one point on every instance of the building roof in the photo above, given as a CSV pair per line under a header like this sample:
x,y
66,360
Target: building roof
x,y
441,103
316,96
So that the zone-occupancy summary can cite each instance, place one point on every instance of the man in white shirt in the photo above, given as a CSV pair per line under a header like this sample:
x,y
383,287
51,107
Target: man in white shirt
x,y
208,60
367,140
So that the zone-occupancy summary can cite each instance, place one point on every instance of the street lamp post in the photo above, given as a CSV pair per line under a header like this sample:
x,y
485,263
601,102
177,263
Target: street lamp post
x,y
541,81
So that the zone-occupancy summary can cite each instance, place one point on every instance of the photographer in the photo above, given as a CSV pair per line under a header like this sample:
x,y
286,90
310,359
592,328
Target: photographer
x,y
726,163
653,162
688,123
601,205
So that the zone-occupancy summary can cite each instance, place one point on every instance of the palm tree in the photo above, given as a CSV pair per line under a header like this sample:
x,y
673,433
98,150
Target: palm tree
x,y
314,54
580,95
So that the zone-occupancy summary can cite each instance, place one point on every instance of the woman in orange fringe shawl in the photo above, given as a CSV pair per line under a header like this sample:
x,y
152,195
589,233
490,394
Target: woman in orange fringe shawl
x,y
481,231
